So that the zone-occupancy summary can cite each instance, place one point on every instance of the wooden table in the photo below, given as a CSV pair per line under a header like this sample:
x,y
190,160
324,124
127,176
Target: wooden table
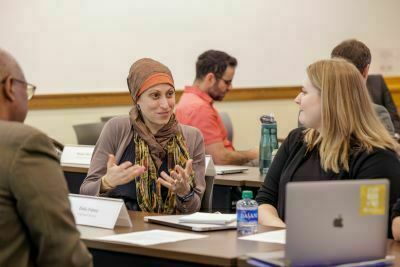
x,y
250,178
219,248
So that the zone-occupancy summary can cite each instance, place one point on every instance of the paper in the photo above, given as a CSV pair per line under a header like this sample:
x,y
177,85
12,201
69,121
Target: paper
x,y
152,237
278,236
208,218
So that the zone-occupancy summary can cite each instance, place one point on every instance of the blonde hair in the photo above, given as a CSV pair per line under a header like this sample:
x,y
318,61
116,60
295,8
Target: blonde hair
x,y
348,117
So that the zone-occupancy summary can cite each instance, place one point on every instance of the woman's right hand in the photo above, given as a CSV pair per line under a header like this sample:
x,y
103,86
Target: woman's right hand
x,y
119,174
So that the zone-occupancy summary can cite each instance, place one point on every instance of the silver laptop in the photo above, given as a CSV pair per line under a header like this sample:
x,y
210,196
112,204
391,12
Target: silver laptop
x,y
334,222
173,221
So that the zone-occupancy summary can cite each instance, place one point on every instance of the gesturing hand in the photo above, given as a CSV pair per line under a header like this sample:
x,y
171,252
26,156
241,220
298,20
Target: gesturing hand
x,y
178,180
120,174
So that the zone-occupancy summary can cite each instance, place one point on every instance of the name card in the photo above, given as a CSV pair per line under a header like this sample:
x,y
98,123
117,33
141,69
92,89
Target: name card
x,y
99,211
210,168
74,154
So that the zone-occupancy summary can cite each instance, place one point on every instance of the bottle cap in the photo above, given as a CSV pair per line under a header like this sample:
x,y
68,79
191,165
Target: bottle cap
x,y
247,194
267,118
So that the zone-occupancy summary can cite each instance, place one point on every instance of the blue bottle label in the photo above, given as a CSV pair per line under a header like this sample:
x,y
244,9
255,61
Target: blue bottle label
x,y
247,215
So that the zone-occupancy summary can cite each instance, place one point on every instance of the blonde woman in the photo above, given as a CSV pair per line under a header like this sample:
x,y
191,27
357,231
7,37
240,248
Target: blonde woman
x,y
343,139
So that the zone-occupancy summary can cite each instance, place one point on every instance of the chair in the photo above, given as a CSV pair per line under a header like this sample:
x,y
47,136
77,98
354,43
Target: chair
x,y
226,120
106,118
206,202
88,133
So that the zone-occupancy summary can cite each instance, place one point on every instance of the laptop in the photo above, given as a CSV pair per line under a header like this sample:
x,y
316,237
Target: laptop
x,y
229,169
173,221
334,222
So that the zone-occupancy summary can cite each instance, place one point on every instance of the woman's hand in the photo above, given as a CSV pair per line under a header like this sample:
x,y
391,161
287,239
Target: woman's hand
x,y
120,174
178,180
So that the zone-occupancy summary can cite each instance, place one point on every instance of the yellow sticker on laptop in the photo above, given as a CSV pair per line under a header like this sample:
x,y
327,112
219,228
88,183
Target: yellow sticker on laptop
x,y
372,199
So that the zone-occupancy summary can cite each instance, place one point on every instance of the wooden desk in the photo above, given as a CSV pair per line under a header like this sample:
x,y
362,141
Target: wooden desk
x,y
250,178
219,248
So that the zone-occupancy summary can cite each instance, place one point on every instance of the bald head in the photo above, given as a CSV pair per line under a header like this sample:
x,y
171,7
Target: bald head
x,y
13,95
9,66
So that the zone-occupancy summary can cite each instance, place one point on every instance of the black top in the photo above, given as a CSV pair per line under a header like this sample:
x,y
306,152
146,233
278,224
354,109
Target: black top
x,y
381,95
292,163
396,209
128,191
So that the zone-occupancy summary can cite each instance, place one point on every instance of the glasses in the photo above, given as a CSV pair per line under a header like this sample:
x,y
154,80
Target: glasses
x,y
227,82
30,88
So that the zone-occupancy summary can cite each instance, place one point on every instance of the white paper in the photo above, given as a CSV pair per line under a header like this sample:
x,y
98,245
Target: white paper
x,y
278,236
208,218
75,154
152,237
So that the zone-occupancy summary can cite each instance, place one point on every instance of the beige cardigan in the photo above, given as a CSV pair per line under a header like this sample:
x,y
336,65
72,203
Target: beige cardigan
x,y
114,139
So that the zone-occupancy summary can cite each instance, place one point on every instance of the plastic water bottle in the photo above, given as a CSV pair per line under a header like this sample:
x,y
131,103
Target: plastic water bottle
x,y
268,142
247,214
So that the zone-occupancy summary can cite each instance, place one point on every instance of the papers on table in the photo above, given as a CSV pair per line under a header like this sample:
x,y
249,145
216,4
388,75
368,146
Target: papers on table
x,y
208,218
152,237
278,236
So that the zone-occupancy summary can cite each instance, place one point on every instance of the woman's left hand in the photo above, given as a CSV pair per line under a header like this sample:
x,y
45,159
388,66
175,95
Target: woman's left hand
x,y
178,180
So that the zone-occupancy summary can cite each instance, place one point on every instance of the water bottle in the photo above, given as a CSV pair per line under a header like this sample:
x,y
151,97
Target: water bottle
x,y
268,142
247,214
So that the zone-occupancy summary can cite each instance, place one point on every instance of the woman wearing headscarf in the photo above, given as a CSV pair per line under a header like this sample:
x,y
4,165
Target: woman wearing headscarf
x,y
147,158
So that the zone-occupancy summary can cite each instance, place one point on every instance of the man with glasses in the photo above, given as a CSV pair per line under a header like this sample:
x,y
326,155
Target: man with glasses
x,y
214,75
37,227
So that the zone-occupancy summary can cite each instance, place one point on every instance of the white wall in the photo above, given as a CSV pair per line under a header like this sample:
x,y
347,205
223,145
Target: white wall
x,y
58,123
89,45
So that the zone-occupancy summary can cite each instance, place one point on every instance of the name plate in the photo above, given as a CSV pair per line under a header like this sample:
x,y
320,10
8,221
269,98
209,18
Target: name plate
x,y
99,211
74,154
210,168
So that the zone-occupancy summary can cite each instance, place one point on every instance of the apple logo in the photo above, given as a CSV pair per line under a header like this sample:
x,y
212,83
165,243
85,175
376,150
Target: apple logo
x,y
338,222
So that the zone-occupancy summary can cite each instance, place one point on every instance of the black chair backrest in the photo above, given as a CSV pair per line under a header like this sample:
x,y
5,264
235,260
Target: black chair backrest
x,y
88,133
206,202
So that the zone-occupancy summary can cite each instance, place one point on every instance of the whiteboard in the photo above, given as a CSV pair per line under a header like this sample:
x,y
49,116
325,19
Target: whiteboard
x,y
89,45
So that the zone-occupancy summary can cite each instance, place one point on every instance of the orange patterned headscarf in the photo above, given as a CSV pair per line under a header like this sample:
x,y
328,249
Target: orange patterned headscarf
x,y
144,74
